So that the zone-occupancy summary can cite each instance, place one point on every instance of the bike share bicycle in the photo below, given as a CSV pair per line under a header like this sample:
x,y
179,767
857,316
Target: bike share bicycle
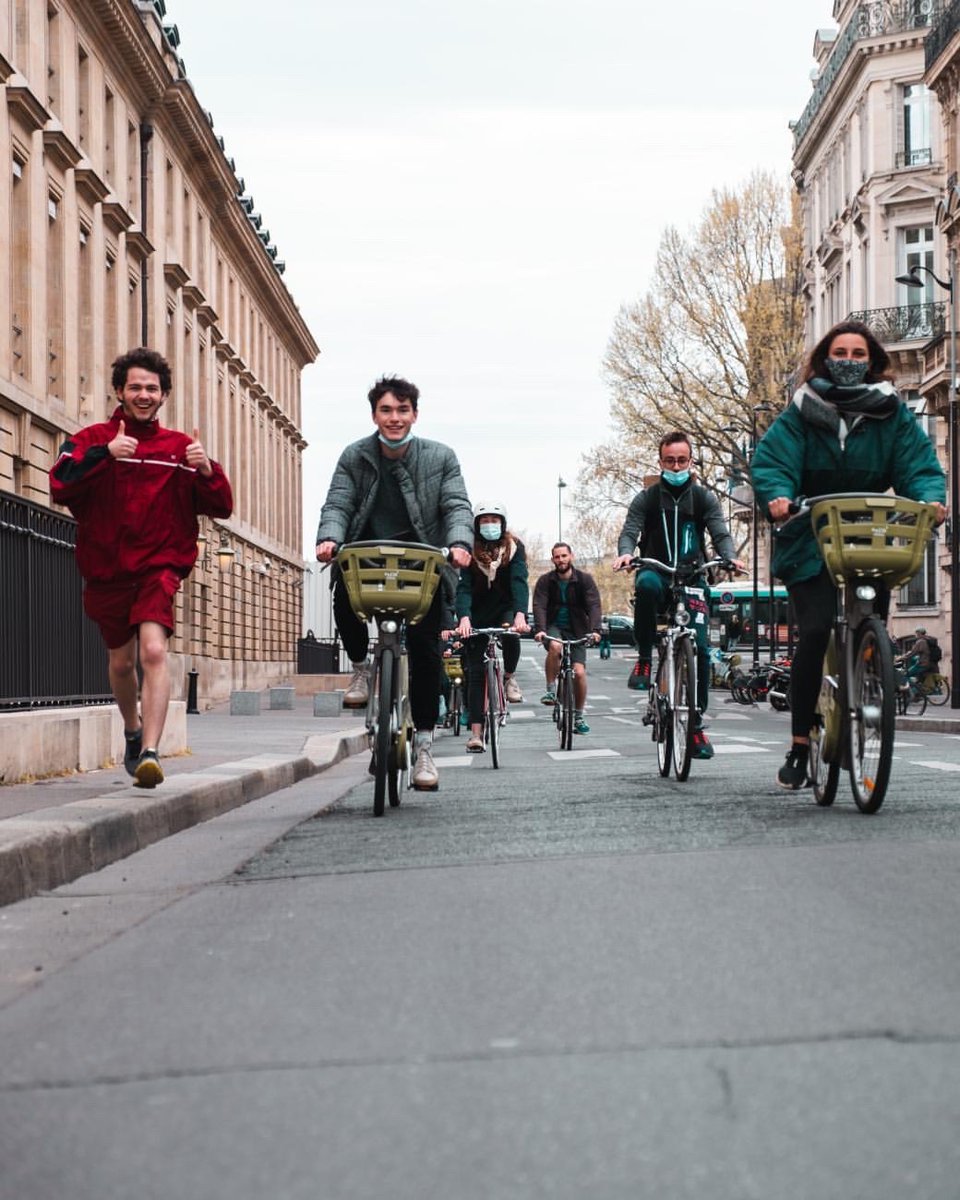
x,y
672,711
565,706
393,584
870,543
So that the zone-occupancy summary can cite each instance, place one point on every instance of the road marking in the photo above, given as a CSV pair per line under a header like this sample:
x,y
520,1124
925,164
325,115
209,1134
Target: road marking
x,y
937,766
592,698
522,714
622,720
465,760
569,755
739,748
730,716
740,738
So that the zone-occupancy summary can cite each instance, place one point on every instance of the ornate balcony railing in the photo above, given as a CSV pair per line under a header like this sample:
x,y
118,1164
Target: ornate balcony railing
x,y
942,31
914,158
869,20
908,323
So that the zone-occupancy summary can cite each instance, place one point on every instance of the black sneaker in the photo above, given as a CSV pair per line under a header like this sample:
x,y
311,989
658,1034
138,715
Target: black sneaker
x,y
132,749
793,773
149,772
639,677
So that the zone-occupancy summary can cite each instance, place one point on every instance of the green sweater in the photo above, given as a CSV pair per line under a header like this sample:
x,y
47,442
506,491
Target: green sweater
x,y
799,457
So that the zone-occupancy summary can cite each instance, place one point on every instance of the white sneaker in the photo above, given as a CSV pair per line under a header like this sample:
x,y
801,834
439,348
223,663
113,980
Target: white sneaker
x,y
358,689
426,778
512,690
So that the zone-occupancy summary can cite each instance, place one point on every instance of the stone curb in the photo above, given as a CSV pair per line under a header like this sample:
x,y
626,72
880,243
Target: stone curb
x,y
54,846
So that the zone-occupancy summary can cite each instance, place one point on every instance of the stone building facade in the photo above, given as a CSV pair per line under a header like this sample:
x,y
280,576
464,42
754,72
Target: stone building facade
x,y
870,164
124,222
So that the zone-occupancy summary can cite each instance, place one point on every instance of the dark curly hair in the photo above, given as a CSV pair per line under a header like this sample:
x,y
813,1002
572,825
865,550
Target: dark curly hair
x,y
147,360
401,388
880,365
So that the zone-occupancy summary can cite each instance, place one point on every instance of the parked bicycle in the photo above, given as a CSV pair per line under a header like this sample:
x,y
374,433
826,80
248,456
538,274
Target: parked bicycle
x,y
673,712
778,684
565,708
494,696
393,584
870,543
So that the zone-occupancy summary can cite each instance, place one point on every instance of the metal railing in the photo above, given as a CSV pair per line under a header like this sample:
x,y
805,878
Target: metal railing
x,y
914,158
907,323
943,30
873,19
50,651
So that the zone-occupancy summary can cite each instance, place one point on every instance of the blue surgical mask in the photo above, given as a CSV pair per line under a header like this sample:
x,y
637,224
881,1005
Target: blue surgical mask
x,y
490,531
395,445
848,372
677,478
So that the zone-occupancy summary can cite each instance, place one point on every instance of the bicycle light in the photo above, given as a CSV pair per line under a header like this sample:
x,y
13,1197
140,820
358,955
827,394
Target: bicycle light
x,y
866,591
682,617
388,626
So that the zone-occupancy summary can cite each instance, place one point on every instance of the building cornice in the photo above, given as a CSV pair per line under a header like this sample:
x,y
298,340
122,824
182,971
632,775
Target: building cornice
x,y
59,148
24,104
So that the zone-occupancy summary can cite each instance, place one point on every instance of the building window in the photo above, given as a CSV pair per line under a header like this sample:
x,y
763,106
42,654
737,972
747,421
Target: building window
x,y
916,143
915,249
921,591
83,98
53,58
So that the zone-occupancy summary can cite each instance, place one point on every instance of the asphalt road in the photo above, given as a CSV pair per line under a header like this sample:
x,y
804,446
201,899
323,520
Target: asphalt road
x,y
565,978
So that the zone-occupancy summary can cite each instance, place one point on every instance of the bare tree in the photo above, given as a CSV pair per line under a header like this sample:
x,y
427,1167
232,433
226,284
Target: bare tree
x,y
719,333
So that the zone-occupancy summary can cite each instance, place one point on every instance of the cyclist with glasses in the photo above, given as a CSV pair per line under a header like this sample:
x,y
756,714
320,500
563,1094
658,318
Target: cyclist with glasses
x,y
396,487
668,521
492,591
566,604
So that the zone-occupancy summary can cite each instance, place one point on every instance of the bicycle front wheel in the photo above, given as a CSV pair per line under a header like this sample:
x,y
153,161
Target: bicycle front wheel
x,y
684,706
456,707
662,719
493,714
911,701
872,715
937,690
565,706
383,735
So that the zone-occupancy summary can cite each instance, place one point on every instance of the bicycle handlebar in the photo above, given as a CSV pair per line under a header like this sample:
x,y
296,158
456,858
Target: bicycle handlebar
x,y
491,631
581,641
700,569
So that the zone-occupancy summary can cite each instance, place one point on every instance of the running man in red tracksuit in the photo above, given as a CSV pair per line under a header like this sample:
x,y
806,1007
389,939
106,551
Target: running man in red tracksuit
x,y
136,489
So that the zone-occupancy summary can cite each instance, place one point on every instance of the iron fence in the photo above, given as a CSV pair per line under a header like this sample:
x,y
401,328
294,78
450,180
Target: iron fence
x,y
50,651
906,323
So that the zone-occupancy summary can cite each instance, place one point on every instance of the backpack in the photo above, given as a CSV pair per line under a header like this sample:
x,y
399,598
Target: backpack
x,y
935,652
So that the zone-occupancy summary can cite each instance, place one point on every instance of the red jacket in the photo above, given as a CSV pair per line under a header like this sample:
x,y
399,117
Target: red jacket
x,y
136,514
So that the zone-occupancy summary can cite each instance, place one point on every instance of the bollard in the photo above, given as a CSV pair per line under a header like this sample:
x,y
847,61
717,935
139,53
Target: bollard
x,y
327,704
192,676
244,704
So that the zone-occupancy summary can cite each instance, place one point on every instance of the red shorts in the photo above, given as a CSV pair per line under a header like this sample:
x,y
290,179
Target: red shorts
x,y
119,608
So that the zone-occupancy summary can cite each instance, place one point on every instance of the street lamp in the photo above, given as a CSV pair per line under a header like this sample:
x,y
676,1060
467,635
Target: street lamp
x,y
560,486
757,408
913,280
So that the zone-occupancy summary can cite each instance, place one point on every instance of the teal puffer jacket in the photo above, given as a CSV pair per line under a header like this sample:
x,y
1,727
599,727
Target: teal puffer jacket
x,y
798,457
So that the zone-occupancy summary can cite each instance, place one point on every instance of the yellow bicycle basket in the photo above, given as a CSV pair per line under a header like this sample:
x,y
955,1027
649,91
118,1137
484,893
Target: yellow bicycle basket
x,y
872,536
452,667
390,578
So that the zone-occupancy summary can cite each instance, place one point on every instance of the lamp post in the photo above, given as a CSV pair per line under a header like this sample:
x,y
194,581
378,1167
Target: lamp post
x,y
757,408
912,279
560,486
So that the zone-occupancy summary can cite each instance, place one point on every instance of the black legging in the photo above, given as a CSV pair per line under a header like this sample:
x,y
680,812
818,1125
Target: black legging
x,y
814,605
423,649
475,647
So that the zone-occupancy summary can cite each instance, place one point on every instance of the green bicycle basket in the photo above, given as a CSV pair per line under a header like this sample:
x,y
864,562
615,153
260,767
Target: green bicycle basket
x,y
396,579
871,536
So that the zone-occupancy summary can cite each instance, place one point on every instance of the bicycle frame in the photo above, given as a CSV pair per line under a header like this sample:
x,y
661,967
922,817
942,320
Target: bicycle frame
x,y
494,698
565,707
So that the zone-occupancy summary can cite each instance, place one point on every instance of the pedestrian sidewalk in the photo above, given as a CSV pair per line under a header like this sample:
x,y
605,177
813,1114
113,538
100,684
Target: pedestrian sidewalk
x,y
55,830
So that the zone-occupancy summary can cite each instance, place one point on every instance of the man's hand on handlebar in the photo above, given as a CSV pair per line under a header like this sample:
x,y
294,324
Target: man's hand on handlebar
x,y
622,561
459,557
781,508
520,623
326,551
464,629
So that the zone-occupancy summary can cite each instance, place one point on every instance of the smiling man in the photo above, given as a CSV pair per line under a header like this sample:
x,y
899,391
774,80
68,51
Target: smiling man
x,y
136,489
393,486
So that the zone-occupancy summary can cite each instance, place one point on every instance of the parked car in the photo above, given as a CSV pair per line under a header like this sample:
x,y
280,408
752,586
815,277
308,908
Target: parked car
x,y
621,629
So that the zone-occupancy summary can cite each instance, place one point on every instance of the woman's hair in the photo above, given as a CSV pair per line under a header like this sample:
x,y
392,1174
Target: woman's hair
x,y
880,366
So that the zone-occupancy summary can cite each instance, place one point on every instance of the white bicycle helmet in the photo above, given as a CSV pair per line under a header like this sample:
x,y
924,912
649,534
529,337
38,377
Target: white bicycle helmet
x,y
489,510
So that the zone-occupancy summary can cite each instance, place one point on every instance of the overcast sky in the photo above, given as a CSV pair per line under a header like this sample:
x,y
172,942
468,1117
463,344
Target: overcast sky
x,y
465,194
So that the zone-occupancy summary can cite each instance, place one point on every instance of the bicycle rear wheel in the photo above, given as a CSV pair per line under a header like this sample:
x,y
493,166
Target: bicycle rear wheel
x,y
663,721
911,701
939,690
684,706
493,714
383,735
872,715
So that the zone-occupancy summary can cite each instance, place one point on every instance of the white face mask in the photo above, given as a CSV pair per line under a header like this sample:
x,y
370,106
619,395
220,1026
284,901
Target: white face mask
x,y
490,531
395,445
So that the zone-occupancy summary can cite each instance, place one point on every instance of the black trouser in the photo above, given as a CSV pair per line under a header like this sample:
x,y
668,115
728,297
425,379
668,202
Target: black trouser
x,y
423,650
815,606
475,648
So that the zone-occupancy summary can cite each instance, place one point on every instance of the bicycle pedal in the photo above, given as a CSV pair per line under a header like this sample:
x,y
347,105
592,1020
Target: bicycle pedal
x,y
648,718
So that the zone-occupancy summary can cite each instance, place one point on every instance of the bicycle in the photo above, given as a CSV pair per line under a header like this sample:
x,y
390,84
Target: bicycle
x,y
454,671
494,696
672,710
870,543
936,688
911,698
565,708
393,584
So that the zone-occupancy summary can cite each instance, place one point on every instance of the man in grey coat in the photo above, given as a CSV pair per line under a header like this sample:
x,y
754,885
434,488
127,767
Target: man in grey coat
x,y
394,486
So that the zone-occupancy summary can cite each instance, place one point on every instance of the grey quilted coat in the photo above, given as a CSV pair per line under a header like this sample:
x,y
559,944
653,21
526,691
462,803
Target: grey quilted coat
x,y
431,484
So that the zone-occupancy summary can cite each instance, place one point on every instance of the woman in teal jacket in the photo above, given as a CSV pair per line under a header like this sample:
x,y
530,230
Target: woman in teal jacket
x,y
846,430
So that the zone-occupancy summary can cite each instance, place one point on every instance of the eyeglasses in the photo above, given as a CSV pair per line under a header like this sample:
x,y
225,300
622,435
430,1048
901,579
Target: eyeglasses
x,y
670,461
